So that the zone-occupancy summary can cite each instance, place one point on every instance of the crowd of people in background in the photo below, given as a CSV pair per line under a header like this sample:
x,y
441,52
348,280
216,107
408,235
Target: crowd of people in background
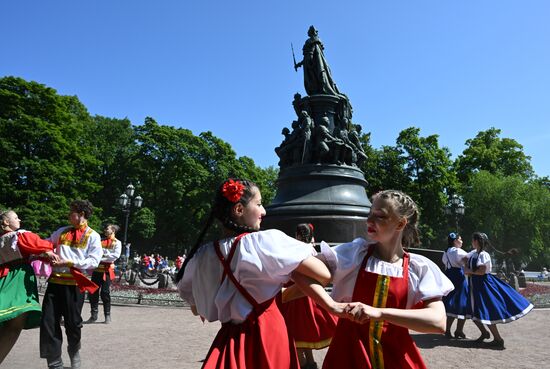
x,y
156,263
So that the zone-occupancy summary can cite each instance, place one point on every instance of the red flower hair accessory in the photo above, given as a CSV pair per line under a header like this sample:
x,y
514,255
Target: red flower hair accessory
x,y
232,190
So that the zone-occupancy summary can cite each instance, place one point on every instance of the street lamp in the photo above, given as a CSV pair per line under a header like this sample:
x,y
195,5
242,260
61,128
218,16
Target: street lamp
x,y
455,207
126,200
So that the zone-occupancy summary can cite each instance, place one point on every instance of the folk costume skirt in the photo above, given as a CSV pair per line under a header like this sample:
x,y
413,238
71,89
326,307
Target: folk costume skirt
x,y
494,301
457,302
19,294
311,326
262,341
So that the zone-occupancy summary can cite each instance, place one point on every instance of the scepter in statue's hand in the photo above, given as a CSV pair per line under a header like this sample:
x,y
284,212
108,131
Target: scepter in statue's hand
x,y
296,65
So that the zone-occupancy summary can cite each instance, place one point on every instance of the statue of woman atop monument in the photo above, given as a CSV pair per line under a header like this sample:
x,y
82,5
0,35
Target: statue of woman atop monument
x,y
317,75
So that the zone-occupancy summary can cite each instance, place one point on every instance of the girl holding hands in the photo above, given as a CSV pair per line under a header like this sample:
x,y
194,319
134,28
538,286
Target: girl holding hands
x,y
492,300
19,306
236,279
457,302
396,290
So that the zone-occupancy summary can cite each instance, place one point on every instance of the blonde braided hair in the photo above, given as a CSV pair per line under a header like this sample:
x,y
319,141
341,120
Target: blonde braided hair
x,y
404,206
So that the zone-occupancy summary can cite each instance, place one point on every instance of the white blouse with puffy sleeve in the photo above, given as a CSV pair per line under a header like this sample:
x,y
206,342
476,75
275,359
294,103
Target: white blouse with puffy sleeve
x,y
426,280
262,264
454,256
483,259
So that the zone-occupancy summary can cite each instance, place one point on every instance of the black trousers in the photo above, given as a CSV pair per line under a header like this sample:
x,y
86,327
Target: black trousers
x,y
105,288
60,301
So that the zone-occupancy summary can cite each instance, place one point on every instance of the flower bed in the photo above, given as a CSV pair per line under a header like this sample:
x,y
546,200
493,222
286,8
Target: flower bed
x,y
538,294
126,294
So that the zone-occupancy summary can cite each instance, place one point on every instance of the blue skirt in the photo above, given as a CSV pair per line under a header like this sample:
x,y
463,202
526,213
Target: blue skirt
x,y
494,301
457,302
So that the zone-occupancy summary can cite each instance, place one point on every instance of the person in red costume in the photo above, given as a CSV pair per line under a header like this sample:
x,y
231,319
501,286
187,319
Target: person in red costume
x,y
398,290
19,305
311,326
79,248
105,274
237,278
179,262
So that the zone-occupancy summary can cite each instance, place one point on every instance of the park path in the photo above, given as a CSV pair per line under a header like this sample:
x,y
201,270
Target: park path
x,y
163,337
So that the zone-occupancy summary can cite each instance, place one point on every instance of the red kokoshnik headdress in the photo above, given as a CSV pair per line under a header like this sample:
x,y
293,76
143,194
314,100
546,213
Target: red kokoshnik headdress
x,y
232,190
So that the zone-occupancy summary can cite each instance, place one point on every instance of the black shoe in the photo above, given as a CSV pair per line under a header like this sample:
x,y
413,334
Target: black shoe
x,y
107,319
91,320
483,336
496,344
448,335
459,335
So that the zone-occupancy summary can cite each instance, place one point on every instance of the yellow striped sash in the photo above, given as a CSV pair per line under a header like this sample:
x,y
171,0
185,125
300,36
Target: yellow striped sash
x,y
375,327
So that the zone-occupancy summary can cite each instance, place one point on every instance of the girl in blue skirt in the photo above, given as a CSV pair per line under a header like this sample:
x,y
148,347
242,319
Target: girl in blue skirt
x,y
493,301
457,302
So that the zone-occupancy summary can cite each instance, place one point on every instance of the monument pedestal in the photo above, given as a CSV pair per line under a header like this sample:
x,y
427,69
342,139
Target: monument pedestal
x,y
331,197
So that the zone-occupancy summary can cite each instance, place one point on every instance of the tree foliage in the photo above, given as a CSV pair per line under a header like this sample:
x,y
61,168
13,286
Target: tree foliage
x,y
488,152
515,215
422,169
53,151
45,159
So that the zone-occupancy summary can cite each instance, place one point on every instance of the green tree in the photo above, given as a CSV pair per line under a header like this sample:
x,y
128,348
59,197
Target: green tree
x,y
264,178
143,224
488,152
385,169
46,160
430,169
178,173
113,143
515,215
420,168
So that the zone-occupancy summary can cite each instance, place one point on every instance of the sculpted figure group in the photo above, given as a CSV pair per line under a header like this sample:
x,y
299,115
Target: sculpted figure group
x,y
330,138
312,142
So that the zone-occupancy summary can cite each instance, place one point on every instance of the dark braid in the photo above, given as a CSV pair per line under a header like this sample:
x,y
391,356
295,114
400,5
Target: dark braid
x,y
304,232
221,210
481,239
238,228
405,207
483,242
195,247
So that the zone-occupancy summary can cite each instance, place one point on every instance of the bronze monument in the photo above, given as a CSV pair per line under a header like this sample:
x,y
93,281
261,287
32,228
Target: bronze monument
x,y
319,180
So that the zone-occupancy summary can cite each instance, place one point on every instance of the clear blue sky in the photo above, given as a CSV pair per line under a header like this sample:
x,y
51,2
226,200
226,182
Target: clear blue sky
x,y
451,68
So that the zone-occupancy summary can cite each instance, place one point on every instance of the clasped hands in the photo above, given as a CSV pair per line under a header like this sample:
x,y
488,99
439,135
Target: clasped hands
x,y
55,260
356,311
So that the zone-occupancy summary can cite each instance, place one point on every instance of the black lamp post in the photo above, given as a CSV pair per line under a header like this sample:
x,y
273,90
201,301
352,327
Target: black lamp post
x,y
455,207
126,200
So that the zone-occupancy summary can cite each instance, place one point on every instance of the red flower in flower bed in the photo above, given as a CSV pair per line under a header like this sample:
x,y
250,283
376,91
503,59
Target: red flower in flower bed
x,y
143,290
535,289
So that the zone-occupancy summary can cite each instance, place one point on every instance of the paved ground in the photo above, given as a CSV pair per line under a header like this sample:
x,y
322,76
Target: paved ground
x,y
154,337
